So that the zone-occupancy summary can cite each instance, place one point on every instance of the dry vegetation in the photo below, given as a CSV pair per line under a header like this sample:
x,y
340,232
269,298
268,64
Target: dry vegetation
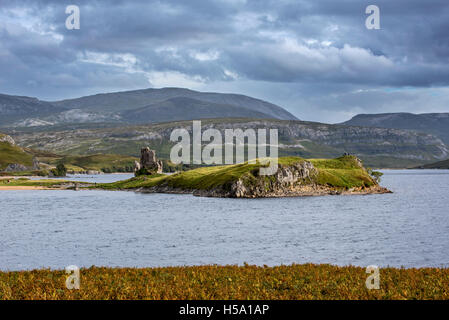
x,y
228,282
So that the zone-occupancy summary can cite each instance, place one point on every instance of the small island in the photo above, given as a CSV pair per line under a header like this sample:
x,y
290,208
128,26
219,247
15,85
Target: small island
x,y
295,177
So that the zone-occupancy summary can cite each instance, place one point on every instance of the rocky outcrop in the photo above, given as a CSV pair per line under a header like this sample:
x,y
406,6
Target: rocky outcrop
x,y
15,167
137,166
36,164
285,179
93,172
7,139
149,161
288,178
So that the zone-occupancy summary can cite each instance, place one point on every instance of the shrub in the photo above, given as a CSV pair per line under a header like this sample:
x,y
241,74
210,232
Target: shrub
x,y
60,171
144,172
376,175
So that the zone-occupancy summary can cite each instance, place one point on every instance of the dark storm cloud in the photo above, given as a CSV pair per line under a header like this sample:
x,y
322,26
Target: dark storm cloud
x,y
311,51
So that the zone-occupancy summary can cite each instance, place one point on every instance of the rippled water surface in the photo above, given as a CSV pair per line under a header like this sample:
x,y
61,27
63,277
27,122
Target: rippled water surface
x,y
58,228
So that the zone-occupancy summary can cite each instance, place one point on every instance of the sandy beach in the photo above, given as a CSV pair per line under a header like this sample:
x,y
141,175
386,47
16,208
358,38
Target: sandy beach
x,y
4,188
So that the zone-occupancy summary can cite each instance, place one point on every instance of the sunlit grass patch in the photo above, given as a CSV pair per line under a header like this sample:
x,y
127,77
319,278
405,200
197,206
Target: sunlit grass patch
x,y
25,182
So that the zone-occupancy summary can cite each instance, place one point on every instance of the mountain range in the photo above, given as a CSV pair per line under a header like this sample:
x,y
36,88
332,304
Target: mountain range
x,y
15,108
138,106
120,123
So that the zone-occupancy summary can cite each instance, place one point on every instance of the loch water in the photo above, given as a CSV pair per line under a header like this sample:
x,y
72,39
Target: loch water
x,y
54,229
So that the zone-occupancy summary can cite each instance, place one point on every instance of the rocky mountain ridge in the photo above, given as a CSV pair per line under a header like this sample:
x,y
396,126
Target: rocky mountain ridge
x,y
436,124
299,138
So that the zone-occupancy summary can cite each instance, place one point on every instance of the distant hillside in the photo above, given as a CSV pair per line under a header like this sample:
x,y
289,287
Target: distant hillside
x,y
378,147
22,158
181,108
97,162
433,123
437,165
132,107
131,100
13,108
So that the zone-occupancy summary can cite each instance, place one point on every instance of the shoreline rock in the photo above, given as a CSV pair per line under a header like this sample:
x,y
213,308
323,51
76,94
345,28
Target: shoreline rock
x,y
303,191
7,139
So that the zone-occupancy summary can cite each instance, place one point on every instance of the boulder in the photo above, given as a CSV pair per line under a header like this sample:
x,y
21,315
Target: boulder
x,y
15,167
93,172
7,139
136,166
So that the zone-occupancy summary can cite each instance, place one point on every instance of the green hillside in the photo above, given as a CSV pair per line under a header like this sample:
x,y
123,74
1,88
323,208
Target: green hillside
x,y
11,154
437,165
98,162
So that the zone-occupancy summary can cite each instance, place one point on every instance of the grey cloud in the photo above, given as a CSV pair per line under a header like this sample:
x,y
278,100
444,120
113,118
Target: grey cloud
x,y
308,50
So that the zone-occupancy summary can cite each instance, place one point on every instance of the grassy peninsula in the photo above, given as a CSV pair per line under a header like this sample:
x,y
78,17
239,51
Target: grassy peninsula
x,y
293,282
23,183
437,165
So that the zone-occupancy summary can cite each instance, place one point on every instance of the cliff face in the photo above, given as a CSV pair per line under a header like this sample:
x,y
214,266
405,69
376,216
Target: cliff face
x,y
315,139
332,135
282,183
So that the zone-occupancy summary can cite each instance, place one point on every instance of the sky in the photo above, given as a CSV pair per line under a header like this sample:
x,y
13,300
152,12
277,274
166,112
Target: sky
x,y
317,59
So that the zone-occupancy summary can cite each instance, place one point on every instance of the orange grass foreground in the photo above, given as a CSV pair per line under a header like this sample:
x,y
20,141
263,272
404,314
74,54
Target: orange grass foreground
x,y
228,282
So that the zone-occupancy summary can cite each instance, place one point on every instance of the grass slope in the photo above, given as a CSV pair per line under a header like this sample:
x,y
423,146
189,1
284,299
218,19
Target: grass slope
x,y
438,165
25,182
295,282
10,154
98,162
